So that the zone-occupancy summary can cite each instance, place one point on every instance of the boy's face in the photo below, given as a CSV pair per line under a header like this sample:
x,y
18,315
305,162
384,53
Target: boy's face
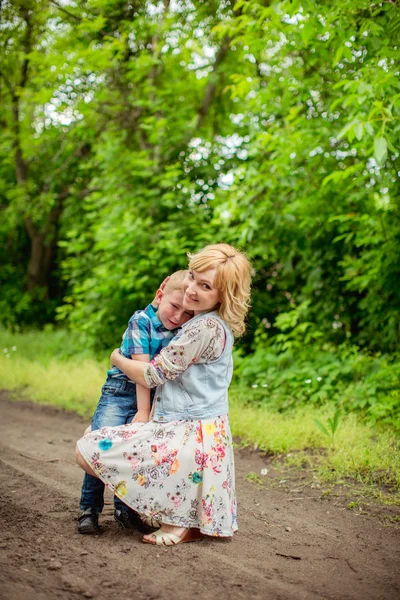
x,y
170,310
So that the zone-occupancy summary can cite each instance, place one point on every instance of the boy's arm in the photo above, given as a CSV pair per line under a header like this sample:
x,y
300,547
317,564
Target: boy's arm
x,y
133,368
142,395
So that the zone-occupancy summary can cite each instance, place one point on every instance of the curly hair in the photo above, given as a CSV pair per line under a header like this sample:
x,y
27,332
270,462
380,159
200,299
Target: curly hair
x,y
233,279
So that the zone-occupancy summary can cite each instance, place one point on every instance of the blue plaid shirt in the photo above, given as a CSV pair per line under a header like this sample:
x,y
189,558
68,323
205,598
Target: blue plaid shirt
x,y
145,334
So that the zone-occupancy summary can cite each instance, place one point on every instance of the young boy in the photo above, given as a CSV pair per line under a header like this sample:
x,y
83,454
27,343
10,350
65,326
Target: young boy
x,y
122,401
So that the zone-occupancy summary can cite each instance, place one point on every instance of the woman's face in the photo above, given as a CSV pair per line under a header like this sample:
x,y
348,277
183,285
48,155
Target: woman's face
x,y
199,291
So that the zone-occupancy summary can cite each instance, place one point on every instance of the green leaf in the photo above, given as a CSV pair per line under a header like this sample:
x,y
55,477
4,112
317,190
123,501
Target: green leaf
x,y
338,56
336,419
359,130
321,427
347,130
380,149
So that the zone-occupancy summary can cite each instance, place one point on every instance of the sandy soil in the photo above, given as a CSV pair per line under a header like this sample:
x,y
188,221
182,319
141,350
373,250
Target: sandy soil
x,y
293,543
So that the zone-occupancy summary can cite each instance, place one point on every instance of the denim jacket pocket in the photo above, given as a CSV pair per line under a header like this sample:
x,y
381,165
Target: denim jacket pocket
x,y
188,399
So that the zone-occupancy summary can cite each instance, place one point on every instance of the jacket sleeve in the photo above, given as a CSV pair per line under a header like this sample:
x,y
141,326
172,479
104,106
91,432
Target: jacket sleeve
x,y
203,341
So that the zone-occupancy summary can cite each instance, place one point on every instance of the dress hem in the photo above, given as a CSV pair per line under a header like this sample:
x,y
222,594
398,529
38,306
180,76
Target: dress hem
x,y
165,520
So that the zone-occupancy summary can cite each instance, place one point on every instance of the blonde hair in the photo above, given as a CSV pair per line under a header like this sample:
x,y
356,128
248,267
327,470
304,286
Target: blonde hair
x,y
233,279
175,282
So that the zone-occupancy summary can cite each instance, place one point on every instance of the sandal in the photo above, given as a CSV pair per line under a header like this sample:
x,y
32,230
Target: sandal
x,y
151,522
163,538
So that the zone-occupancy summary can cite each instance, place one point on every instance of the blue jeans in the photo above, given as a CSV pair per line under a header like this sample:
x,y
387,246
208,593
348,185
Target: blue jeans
x,y
117,406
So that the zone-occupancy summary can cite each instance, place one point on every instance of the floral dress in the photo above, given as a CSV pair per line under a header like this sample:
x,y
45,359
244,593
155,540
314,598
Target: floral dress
x,y
178,472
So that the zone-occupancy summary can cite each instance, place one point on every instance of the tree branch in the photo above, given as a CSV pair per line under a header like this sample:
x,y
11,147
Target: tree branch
x,y
27,48
64,10
7,82
78,153
211,87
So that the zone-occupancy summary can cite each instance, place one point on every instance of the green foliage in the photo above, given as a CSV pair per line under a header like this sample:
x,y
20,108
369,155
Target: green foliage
x,y
331,426
54,367
133,133
359,453
254,478
46,344
316,374
298,367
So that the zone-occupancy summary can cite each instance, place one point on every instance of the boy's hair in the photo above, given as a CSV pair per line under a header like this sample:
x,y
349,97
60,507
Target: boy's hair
x,y
233,279
175,282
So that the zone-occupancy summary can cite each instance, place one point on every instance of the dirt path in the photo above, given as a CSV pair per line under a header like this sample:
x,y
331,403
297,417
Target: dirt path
x,y
289,546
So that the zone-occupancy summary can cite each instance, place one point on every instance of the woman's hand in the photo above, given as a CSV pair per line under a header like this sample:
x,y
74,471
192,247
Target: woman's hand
x,y
115,354
141,417
133,369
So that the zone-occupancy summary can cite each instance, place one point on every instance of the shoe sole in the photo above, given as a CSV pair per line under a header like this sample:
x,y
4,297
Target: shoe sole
x,y
171,545
89,530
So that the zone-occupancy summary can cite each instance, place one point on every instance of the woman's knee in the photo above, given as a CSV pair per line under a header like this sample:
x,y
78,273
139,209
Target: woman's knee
x,y
83,463
78,457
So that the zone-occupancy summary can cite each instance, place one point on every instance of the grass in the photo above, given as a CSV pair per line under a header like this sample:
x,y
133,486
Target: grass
x,y
72,385
359,451
53,367
45,344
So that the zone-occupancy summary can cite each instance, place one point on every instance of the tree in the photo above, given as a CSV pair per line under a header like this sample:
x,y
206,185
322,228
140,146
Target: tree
x,y
41,154
147,130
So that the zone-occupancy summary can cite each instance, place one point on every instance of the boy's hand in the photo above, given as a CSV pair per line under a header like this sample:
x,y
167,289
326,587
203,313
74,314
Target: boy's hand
x,y
141,417
87,430
114,356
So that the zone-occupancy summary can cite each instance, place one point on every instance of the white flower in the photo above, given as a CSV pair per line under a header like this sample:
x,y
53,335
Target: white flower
x,y
319,378
264,385
264,471
307,381
14,348
255,385
7,356
5,350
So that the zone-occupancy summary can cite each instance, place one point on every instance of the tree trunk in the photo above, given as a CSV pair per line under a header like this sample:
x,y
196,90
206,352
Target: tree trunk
x,y
43,246
37,274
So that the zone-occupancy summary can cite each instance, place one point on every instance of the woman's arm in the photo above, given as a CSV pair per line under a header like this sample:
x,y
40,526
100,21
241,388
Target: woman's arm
x,y
134,369
203,341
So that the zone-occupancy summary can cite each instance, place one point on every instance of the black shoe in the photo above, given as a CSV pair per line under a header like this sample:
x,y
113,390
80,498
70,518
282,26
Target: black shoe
x,y
88,522
129,519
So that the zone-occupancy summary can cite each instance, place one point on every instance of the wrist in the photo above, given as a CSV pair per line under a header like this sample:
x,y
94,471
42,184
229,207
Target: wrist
x,y
142,416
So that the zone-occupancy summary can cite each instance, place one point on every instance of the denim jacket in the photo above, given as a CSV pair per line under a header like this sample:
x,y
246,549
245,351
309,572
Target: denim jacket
x,y
200,392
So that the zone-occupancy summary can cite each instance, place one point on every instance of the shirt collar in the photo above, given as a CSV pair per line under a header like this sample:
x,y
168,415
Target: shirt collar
x,y
151,311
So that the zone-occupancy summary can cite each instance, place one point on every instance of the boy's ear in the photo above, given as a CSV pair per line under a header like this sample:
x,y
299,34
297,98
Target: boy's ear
x,y
157,299
164,283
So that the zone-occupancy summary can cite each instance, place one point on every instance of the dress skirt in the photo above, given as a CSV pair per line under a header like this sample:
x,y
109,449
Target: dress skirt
x,y
178,472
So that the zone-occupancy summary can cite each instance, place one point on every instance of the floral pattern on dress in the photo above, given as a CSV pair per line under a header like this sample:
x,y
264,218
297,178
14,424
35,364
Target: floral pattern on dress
x,y
178,472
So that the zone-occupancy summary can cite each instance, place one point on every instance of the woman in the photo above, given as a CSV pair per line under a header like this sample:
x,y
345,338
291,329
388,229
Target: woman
x,y
178,469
